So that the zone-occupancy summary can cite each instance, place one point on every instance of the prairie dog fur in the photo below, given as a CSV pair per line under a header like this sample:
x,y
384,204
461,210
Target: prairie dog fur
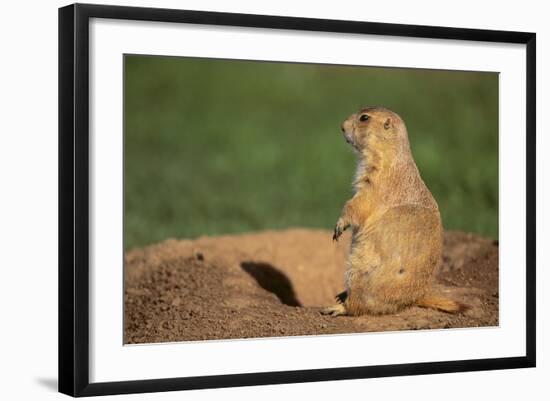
x,y
397,236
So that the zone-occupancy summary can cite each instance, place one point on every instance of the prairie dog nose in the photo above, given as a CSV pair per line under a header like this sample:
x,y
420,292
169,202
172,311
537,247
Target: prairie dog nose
x,y
346,126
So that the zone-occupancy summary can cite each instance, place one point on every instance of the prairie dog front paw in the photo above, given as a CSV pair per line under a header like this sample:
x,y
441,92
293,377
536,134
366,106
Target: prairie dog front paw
x,y
339,229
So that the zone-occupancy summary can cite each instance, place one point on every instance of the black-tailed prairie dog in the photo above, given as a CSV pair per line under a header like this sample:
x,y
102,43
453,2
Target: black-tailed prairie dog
x,y
397,236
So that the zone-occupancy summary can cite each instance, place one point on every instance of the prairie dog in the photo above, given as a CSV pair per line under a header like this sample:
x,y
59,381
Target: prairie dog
x,y
397,235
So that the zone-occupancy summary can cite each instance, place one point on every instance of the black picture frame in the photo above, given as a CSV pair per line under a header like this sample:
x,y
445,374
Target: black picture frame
x,y
74,198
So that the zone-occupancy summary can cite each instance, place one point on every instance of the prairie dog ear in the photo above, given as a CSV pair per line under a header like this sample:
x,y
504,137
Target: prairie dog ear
x,y
388,123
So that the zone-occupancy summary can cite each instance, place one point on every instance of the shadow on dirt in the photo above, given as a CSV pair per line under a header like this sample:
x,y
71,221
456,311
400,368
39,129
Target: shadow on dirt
x,y
273,280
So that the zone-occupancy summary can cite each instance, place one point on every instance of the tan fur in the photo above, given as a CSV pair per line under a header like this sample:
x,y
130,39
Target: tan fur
x,y
442,304
397,234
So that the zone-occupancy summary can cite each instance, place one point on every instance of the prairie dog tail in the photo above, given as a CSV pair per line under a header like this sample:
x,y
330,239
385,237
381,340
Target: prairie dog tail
x,y
441,303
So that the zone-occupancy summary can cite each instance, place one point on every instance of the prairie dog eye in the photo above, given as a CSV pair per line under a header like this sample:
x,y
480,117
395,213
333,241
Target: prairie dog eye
x,y
364,117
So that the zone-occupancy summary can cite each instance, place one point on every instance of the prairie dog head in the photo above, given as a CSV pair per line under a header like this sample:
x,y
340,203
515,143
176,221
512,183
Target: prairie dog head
x,y
376,128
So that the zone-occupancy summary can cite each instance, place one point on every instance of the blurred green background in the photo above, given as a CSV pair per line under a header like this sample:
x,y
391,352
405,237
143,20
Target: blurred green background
x,y
222,146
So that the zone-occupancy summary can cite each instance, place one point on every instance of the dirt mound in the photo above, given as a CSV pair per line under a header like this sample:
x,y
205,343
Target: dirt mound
x,y
273,283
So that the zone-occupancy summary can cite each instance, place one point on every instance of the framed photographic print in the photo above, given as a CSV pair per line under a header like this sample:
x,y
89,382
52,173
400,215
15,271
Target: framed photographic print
x,y
251,199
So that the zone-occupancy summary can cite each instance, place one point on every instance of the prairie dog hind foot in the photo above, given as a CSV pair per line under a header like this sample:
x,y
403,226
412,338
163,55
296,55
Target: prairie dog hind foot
x,y
338,309
334,310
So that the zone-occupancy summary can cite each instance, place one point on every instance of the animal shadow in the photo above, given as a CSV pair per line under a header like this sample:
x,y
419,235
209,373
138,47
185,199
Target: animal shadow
x,y
273,280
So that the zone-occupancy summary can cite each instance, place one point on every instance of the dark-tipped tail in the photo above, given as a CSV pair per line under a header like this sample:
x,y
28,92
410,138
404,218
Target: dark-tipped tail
x,y
441,303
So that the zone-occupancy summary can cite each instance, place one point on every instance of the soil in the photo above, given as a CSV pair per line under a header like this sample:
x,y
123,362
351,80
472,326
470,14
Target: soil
x,y
274,283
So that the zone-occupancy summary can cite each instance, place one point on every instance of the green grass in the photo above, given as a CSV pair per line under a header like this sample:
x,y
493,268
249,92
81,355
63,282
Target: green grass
x,y
218,146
